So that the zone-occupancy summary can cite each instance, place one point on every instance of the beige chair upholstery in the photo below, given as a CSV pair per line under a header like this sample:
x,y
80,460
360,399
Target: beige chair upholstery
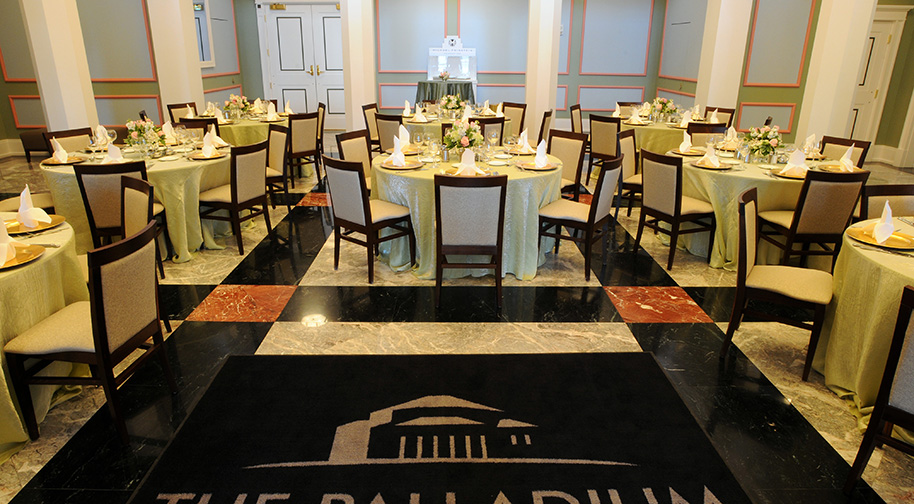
x,y
303,144
835,147
569,148
797,287
41,200
900,198
178,111
702,133
515,112
662,201
368,113
119,320
72,141
353,211
592,219
469,219
545,127
628,108
489,124
388,128
604,141
100,187
631,175
356,146
277,178
724,115
577,118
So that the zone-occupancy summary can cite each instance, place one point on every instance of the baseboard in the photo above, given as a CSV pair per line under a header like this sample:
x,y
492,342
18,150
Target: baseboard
x,y
11,147
884,154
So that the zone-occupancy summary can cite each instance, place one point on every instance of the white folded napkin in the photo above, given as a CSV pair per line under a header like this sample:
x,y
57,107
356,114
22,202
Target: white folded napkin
x,y
884,228
541,160
846,164
710,158
258,106
288,108
101,134
169,131
60,154
617,112
713,118
731,133
220,119
499,110
686,144
809,144
7,251
523,143
28,215
189,114
796,165
419,117
209,147
217,140
646,108
636,117
695,114
468,166
684,123
406,109
271,112
486,111
403,133
467,113
210,108
114,155
396,157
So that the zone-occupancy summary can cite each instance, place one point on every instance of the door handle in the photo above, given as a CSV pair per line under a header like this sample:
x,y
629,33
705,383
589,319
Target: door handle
x,y
319,70
311,71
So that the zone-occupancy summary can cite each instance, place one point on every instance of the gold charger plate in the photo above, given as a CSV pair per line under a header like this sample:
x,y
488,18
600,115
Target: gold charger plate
x,y
692,152
645,123
24,255
410,165
408,151
519,152
815,156
898,240
531,165
201,157
19,228
835,168
678,126
709,167
273,120
792,177
71,160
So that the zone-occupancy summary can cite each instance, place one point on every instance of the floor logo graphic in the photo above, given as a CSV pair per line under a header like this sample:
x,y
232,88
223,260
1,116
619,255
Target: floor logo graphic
x,y
438,429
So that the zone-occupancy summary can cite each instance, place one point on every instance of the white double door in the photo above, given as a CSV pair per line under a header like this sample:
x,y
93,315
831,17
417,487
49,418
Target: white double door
x,y
304,58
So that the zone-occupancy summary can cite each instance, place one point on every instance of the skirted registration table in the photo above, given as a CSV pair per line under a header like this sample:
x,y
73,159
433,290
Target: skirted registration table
x,y
247,131
30,293
433,90
527,192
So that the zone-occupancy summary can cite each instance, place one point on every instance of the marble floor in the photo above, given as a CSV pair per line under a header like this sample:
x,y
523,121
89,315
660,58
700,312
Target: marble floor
x,y
785,440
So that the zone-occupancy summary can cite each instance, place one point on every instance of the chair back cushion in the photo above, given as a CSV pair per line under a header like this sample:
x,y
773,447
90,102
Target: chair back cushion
x,y
515,114
835,151
303,128
577,122
469,215
570,152
128,294
659,186
629,155
346,194
828,207
387,130
901,205
603,196
370,122
604,137
357,149
250,174
277,149
546,126
103,195
137,206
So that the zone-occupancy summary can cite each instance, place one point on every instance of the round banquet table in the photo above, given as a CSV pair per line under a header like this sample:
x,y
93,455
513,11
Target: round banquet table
x,y
177,185
30,293
656,137
527,192
860,320
247,131
432,128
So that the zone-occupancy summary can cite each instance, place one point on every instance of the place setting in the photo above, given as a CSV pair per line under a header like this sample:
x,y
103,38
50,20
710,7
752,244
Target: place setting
x,y
29,222
882,235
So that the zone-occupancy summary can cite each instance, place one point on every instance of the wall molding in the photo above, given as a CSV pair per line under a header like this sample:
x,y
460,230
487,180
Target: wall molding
x,y
11,147
237,51
666,10
224,88
885,154
377,31
132,97
604,87
739,114
391,84
568,28
812,11
6,77
647,49
682,93
565,107
12,99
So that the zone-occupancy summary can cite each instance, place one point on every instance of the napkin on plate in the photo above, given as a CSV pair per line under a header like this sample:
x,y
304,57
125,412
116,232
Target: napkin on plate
x,y
710,158
419,117
499,111
114,155
617,112
7,251
467,113
271,112
486,111
101,135
695,109
220,119
217,140
686,144
406,109
189,114
403,133
713,118
684,123
731,134
796,165
523,144
636,117
288,108
60,154
731,141
396,157
258,106
846,164
646,109
28,215
809,144
169,131
209,147
541,160
884,228
468,166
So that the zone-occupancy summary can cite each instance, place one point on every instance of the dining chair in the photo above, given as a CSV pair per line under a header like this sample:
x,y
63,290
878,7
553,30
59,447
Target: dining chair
x,y
489,124
469,220
874,197
356,146
321,115
42,200
120,318
246,191
388,128
895,401
768,121
724,115
569,148
143,115
628,107
200,126
100,188
137,204
73,140
835,147
577,126
604,141
631,175
662,200
515,112
810,289
368,113
701,133
354,211
822,213
303,144
277,178
591,219
545,127
33,141
178,111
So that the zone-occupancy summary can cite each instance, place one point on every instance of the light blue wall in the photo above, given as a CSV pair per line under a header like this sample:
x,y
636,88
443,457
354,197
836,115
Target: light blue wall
x,y
406,29
779,36
498,31
616,37
683,30
121,49
225,48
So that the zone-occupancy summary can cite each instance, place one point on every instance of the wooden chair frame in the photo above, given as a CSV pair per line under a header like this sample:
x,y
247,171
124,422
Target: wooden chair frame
x,y
384,146
172,107
544,125
732,111
371,123
597,158
582,138
297,159
878,190
350,135
485,122
48,135
633,189
519,128
847,142
281,183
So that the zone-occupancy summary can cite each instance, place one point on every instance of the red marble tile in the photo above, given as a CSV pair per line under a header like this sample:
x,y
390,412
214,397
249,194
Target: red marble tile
x,y
314,199
585,198
243,303
656,304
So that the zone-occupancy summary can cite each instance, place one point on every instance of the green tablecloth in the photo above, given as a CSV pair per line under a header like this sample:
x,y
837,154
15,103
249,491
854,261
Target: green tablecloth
x,y
435,89
177,185
31,293
658,138
433,128
247,131
527,192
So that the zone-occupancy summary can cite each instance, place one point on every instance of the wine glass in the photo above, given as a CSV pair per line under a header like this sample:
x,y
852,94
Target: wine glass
x,y
510,142
492,137
417,140
434,150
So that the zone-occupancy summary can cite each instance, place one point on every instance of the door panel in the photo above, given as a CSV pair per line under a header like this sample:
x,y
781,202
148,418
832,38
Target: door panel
x,y
871,82
291,58
328,48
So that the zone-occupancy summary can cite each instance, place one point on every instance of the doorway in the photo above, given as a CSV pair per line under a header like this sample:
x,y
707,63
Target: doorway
x,y
303,46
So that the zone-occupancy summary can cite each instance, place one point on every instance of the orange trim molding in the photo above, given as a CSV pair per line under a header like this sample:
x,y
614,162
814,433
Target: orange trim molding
x,y
607,87
788,129
16,116
647,49
683,93
812,10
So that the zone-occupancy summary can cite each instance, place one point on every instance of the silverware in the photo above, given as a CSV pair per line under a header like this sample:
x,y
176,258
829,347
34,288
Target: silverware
x,y
887,251
47,245
909,222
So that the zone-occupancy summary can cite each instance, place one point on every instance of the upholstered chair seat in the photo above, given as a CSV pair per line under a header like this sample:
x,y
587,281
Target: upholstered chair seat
x,y
66,330
814,286
566,209
383,210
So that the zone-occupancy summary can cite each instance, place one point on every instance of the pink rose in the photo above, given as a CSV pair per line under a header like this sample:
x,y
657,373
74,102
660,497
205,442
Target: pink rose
x,y
766,129
226,102
161,133
134,135
773,142
465,141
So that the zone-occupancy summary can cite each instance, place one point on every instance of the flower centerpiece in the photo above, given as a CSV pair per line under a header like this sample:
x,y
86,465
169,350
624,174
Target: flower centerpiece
x,y
451,102
663,107
764,141
444,75
144,132
237,106
463,135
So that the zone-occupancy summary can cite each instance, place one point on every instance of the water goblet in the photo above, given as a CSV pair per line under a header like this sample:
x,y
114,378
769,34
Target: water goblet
x,y
112,136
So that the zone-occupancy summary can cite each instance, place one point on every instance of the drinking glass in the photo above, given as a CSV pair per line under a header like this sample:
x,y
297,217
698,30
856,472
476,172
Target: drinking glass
x,y
510,141
417,139
434,151
492,137
112,136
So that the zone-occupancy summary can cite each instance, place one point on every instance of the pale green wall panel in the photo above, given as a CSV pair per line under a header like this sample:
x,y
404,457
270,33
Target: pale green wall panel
x,y
220,96
500,93
17,60
115,35
778,36
117,111
604,98
682,35
564,37
901,86
681,100
248,48
755,115
225,49
498,32
406,29
616,36
393,95
28,112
